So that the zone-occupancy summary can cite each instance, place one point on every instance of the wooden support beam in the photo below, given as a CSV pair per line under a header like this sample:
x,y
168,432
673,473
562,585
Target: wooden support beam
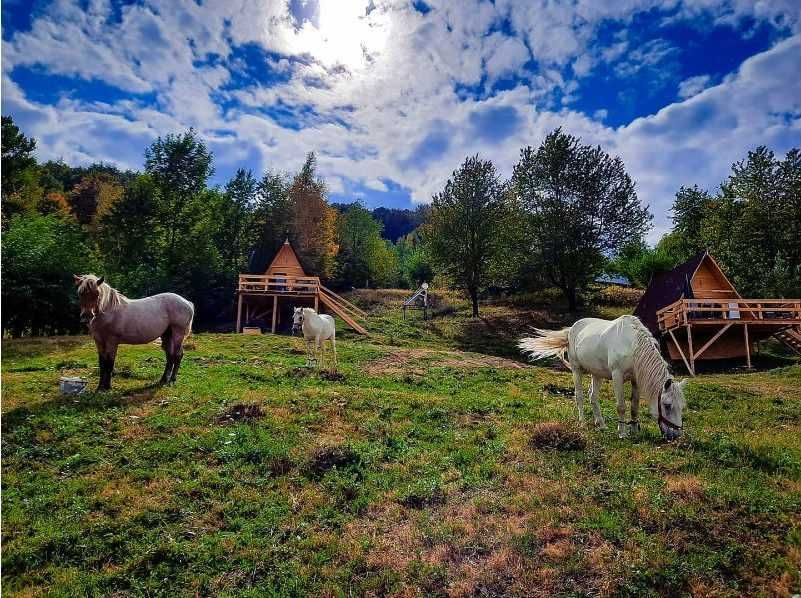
x,y
275,310
711,340
690,349
239,314
317,302
684,359
747,347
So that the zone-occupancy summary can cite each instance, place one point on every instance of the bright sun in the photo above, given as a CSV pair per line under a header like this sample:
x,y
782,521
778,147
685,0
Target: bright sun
x,y
345,33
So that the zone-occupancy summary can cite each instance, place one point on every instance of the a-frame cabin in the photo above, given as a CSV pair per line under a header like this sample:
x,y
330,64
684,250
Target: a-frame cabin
x,y
696,314
259,294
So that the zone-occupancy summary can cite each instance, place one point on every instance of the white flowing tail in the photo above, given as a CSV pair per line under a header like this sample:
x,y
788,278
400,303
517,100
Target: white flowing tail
x,y
547,343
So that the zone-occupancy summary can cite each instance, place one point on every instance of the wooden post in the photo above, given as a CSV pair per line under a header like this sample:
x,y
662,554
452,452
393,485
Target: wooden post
x,y
690,347
747,347
239,313
275,310
247,313
317,302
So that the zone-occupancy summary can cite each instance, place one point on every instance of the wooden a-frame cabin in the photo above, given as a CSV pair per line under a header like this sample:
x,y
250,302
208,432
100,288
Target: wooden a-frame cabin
x,y
259,294
697,314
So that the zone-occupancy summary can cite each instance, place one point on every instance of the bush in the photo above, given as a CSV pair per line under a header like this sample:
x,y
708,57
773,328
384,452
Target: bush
x,y
615,296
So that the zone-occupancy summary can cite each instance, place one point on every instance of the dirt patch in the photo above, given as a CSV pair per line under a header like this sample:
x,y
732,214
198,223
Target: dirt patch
x,y
327,457
408,361
332,376
558,390
557,436
239,413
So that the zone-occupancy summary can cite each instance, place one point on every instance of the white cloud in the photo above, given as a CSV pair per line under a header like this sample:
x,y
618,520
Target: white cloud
x,y
366,108
693,86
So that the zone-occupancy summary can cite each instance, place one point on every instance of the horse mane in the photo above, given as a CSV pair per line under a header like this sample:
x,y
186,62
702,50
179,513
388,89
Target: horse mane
x,y
108,298
650,368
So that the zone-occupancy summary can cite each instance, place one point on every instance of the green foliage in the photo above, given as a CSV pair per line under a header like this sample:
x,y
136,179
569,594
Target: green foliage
x,y
364,259
638,262
469,218
752,226
40,255
19,181
581,205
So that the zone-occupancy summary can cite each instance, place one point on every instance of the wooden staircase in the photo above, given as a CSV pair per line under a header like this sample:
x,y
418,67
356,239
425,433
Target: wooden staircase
x,y
790,337
343,308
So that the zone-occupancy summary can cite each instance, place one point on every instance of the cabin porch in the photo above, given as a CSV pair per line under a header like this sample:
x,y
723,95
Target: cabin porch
x,y
723,328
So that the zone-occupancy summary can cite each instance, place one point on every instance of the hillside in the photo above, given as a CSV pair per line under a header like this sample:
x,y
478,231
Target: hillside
x,y
423,469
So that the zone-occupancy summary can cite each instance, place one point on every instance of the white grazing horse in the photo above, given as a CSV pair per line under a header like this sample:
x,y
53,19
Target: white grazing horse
x,y
620,350
317,328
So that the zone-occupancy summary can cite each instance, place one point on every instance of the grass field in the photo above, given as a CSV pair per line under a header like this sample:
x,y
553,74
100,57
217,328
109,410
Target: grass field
x,y
421,471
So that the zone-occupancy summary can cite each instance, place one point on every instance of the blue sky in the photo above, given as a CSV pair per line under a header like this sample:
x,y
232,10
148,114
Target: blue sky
x,y
392,95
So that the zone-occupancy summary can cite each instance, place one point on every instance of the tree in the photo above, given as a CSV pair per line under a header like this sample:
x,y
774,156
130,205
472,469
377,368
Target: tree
x,y
20,188
364,256
180,166
313,222
236,216
272,217
93,197
467,224
581,206
40,255
638,262
130,239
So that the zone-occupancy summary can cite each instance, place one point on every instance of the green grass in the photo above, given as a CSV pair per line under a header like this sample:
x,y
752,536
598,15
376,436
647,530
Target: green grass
x,y
412,474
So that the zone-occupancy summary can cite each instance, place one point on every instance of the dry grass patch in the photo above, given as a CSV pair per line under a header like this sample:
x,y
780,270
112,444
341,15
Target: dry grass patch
x,y
240,412
555,435
690,488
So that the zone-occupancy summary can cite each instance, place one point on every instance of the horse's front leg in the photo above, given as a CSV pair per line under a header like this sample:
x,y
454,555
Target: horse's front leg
x,y
107,358
579,394
321,352
635,408
595,389
617,386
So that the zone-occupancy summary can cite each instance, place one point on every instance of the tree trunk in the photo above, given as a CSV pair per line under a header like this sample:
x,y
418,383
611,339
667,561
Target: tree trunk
x,y
572,303
474,301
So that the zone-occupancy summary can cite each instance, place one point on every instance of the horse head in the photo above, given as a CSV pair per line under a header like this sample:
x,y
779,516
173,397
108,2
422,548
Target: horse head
x,y
88,294
669,406
297,320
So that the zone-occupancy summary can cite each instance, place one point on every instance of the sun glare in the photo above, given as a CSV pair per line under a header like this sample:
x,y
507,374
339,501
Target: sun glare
x,y
346,34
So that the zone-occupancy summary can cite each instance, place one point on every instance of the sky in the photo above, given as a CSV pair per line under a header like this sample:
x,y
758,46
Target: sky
x,y
392,95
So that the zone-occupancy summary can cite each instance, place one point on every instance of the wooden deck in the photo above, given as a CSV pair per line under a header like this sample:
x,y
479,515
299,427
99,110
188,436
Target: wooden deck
x,y
724,327
272,286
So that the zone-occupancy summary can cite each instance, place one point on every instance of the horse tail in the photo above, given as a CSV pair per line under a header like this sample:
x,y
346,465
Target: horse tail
x,y
547,343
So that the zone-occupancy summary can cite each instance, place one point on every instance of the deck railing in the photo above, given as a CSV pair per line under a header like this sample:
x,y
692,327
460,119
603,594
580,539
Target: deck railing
x,y
284,285
727,311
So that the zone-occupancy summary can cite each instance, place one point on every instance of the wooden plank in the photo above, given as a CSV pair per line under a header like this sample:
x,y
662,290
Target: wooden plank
x,y
343,301
678,346
239,313
275,310
342,314
747,348
711,340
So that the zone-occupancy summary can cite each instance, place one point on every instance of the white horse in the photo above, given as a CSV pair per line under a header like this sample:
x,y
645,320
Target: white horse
x,y
317,328
620,350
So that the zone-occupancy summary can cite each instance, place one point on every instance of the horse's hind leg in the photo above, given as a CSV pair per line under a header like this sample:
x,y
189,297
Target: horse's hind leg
x,y
334,348
617,386
178,337
595,389
579,393
166,344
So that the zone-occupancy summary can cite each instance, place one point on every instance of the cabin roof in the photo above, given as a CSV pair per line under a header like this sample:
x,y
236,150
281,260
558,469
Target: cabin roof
x,y
286,262
666,288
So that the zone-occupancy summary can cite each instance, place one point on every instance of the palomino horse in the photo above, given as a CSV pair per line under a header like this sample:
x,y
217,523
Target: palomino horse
x,y
317,328
116,320
620,350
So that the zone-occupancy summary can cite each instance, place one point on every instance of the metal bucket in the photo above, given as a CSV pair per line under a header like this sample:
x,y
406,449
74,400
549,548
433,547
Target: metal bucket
x,y
72,385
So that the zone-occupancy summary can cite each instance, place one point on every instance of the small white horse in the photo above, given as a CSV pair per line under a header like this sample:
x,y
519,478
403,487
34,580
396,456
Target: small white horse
x,y
317,328
617,350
